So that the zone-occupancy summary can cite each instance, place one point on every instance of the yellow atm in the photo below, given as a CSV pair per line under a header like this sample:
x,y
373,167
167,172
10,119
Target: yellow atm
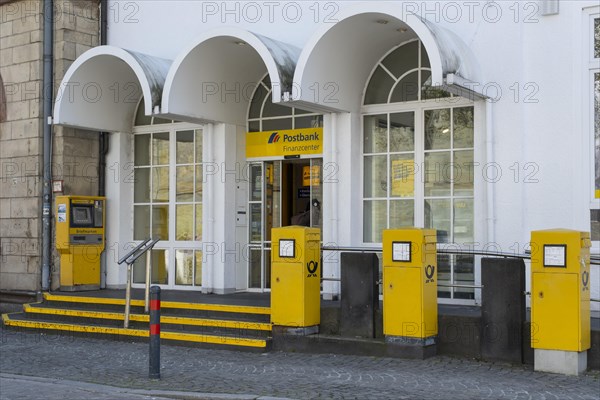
x,y
80,240
560,300
410,286
296,277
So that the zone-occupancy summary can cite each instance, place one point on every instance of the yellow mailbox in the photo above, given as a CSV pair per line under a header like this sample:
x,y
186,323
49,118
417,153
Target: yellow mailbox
x,y
80,240
296,276
410,284
560,299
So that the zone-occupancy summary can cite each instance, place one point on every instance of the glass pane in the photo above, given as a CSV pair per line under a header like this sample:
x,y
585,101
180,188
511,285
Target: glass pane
x,y
464,275
437,216
375,220
437,173
316,194
184,267
142,150
185,147
402,175
379,87
315,121
257,102
437,129
463,171
275,110
198,272
596,37
255,223
255,182
160,148
160,184
463,220
199,183
277,124
595,224
255,269
444,275
402,213
402,132
160,222
254,126
597,132
403,59
141,222
158,270
463,127
198,236
184,224
407,89
185,183
375,134
199,138
299,111
429,92
159,121
424,58
140,116
141,185
375,176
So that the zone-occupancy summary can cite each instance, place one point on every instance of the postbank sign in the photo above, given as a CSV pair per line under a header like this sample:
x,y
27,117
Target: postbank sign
x,y
291,142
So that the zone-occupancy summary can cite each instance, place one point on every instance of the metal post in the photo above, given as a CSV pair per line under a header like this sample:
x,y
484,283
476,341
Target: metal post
x,y
127,296
154,372
148,279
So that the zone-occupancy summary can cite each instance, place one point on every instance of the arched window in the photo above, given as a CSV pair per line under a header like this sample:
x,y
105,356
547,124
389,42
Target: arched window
x,y
167,198
418,158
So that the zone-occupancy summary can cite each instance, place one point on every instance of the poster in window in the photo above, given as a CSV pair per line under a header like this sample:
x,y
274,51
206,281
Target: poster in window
x,y
403,178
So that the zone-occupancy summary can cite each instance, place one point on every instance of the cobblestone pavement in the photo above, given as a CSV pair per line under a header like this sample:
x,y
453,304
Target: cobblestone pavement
x,y
291,375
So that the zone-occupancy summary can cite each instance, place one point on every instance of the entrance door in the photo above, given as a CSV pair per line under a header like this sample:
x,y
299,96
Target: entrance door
x,y
282,193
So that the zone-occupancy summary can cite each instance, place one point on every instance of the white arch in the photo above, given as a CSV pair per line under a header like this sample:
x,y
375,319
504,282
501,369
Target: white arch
x,y
102,88
336,61
214,76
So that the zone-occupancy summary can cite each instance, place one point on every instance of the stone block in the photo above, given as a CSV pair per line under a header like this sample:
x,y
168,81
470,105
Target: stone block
x,y
19,148
17,110
81,48
27,23
5,130
14,264
19,39
29,52
34,70
25,207
29,128
65,50
35,36
4,208
16,73
16,228
6,58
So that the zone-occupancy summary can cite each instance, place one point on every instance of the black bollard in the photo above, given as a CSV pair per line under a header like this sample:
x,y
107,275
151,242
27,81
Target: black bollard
x,y
154,333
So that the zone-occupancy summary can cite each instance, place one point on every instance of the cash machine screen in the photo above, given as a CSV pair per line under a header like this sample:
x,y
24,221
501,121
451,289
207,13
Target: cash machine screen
x,y
82,216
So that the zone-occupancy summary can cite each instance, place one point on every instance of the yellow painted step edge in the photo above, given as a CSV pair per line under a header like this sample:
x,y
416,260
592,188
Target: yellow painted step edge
x,y
164,304
258,326
188,337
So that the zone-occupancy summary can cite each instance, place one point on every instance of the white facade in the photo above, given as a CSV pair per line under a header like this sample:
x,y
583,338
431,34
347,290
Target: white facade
x,y
531,77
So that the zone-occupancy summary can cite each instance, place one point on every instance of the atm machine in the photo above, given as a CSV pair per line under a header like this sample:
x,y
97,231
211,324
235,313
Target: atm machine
x,y
80,240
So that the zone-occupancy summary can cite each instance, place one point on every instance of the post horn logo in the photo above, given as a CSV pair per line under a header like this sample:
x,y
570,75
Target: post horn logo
x,y
429,271
274,138
312,266
585,278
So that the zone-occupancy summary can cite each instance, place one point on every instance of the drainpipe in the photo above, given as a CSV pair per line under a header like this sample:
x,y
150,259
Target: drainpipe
x,y
491,212
335,220
47,94
103,138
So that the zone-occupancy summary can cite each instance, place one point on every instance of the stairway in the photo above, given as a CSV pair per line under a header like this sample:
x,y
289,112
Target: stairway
x,y
183,323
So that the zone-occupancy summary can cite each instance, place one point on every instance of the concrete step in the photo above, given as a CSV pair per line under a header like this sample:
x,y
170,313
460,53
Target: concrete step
x,y
238,339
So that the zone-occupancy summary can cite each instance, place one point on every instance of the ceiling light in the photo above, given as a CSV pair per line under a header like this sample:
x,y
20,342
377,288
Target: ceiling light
x,y
446,130
382,21
240,43
401,30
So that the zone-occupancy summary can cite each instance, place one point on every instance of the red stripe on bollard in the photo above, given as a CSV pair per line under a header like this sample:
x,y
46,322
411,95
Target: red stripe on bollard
x,y
155,329
155,304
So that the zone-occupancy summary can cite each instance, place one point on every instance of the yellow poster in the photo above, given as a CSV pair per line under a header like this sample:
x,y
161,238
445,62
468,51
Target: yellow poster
x,y
403,178
311,176
291,142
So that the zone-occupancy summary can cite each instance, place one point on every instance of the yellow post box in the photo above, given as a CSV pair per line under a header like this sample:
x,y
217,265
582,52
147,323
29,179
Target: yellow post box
x,y
410,285
80,240
560,300
296,276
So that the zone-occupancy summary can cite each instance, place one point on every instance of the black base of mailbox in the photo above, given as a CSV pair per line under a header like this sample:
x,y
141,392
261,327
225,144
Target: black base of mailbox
x,y
409,347
278,330
79,288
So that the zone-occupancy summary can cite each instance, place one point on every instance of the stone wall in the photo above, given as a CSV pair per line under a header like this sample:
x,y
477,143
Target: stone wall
x,y
75,153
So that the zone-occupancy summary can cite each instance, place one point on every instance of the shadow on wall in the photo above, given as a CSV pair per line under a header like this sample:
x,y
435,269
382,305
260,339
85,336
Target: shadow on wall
x,y
2,101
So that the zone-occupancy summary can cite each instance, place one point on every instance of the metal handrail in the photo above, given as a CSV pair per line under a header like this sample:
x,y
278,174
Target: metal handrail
x,y
130,258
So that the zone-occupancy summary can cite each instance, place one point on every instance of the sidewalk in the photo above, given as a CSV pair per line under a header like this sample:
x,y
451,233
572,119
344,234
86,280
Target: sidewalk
x,y
120,364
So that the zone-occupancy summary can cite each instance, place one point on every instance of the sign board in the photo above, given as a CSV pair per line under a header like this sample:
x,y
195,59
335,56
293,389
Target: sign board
x,y
401,251
291,142
287,248
403,178
311,176
555,255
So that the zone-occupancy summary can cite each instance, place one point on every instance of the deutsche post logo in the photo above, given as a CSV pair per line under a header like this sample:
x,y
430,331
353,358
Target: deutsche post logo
x,y
274,138
429,272
585,278
312,267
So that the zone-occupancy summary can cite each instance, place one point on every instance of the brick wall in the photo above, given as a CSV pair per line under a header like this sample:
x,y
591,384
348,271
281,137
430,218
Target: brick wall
x,y
75,152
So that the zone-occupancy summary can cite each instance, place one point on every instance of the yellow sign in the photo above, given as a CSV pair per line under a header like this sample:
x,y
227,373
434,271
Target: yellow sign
x,y
291,142
403,178
311,176
598,193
